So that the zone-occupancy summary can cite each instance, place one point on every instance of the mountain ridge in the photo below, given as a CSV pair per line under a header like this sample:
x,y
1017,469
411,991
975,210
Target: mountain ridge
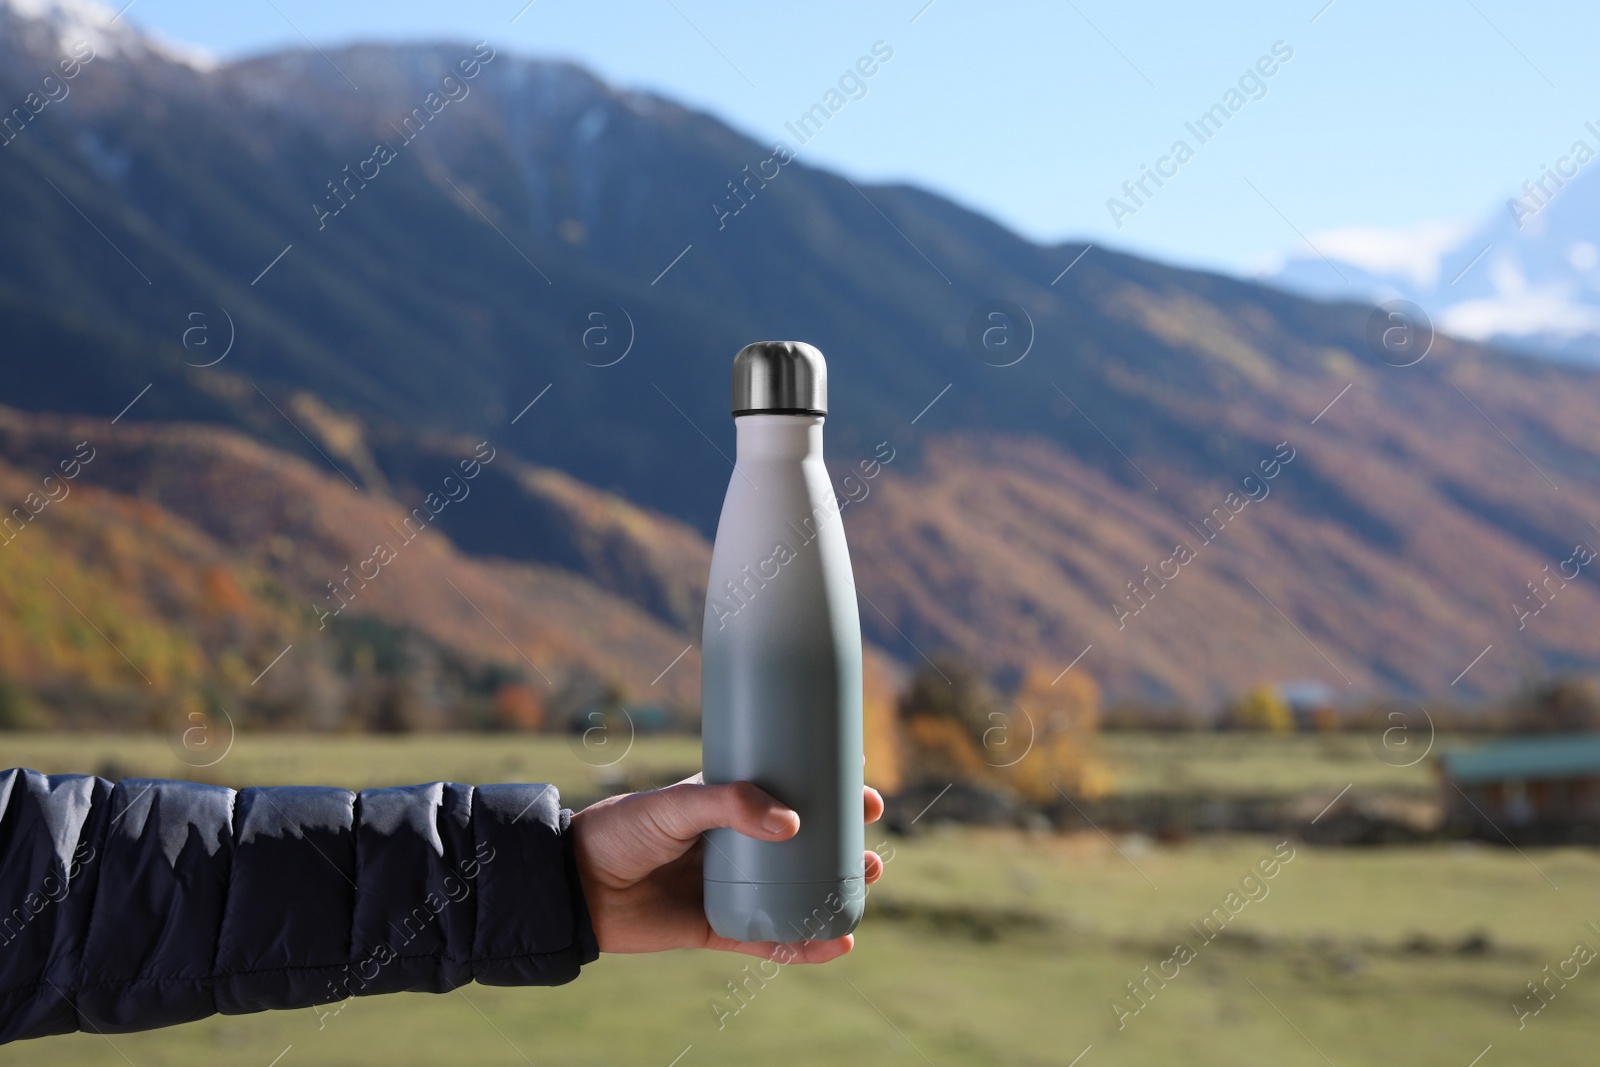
x,y
1525,275
450,296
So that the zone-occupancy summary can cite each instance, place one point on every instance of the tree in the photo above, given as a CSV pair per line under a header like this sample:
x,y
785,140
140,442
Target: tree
x,y
1061,703
17,711
517,706
941,716
880,728
1262,708
1063,712
1562,706
1039,740
948,687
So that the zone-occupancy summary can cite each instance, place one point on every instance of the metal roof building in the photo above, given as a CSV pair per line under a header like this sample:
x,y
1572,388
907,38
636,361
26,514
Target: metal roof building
x,y
1527,789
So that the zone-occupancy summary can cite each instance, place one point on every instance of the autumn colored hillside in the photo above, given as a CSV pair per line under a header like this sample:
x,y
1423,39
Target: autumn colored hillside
x,y
1195,483
184,560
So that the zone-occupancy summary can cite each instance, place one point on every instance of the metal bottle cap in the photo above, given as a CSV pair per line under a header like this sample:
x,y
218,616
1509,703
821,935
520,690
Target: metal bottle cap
x,y
780,378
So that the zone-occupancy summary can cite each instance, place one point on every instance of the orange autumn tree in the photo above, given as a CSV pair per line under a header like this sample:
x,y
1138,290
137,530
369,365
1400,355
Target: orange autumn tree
x,y
518,706
882,740
956,728
941,722
1063,711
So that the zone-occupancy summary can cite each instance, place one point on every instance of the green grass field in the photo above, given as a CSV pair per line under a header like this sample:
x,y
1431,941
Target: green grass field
x,y
1229,763
980,947
1239,763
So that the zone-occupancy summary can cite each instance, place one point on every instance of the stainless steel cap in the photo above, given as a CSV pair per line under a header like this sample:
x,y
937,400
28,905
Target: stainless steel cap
x,y
780,378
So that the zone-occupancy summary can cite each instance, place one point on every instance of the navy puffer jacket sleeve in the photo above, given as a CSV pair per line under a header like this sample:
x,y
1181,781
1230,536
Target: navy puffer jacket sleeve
x,y
146,903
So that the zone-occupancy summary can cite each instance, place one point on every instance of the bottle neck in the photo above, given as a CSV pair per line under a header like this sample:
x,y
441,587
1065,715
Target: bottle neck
x,y
779,437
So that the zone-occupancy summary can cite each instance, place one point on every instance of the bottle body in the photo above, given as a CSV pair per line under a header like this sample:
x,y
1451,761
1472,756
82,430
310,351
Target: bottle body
x,y
781,690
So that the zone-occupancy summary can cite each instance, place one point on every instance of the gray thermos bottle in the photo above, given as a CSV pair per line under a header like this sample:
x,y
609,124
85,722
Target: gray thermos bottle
x,y
781,664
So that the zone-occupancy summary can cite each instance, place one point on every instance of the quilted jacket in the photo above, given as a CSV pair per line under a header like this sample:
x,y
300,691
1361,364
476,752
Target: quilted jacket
x,y
146,903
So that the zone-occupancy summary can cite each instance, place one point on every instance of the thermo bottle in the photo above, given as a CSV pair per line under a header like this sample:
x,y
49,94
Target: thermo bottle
x,y
781,663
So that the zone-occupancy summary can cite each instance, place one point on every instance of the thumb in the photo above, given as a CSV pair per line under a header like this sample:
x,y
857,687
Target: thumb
x,y
682,812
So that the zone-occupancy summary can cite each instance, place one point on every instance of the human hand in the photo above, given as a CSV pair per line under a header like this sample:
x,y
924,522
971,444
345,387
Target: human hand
x,y
640,863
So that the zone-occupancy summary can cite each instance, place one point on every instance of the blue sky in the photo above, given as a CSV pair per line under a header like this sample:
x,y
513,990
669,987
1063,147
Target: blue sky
x,y
1387,115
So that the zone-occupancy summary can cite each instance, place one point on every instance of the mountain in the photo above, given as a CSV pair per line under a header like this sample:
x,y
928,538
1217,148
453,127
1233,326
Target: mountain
x,y
1527,276
199,554
562,270
171,559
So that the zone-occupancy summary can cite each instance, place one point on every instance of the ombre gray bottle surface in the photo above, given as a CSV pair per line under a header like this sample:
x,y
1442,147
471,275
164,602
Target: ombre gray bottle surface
x,y
781,664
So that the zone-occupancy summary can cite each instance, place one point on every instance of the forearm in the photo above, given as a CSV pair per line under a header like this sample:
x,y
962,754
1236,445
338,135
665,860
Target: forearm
x,y
158,902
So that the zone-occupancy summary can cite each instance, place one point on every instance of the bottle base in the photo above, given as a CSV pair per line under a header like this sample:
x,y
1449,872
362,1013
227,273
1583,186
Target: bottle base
x,y
785,911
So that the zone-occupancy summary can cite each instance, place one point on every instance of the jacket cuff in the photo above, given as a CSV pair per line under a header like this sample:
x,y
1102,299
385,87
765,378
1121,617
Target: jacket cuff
x,y
588,944
533,926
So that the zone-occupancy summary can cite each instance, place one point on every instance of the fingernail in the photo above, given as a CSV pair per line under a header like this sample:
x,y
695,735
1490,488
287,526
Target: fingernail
x,y
777,820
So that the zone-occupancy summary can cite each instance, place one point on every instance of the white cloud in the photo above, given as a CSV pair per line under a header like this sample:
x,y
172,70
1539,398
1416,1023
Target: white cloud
x,y
1549,313
1413,252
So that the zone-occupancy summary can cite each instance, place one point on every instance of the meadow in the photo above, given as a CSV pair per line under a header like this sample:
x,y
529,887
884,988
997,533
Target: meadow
x,y
981,946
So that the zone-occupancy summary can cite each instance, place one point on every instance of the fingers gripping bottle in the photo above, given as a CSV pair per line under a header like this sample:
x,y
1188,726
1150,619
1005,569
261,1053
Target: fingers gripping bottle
x,y
781,664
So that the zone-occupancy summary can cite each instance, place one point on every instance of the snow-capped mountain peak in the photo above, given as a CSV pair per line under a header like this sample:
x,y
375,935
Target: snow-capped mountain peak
x,y
103,28
1525,276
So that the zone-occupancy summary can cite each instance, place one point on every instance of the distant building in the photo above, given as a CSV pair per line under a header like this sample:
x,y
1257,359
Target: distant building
x,y
1528,789
1313,703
